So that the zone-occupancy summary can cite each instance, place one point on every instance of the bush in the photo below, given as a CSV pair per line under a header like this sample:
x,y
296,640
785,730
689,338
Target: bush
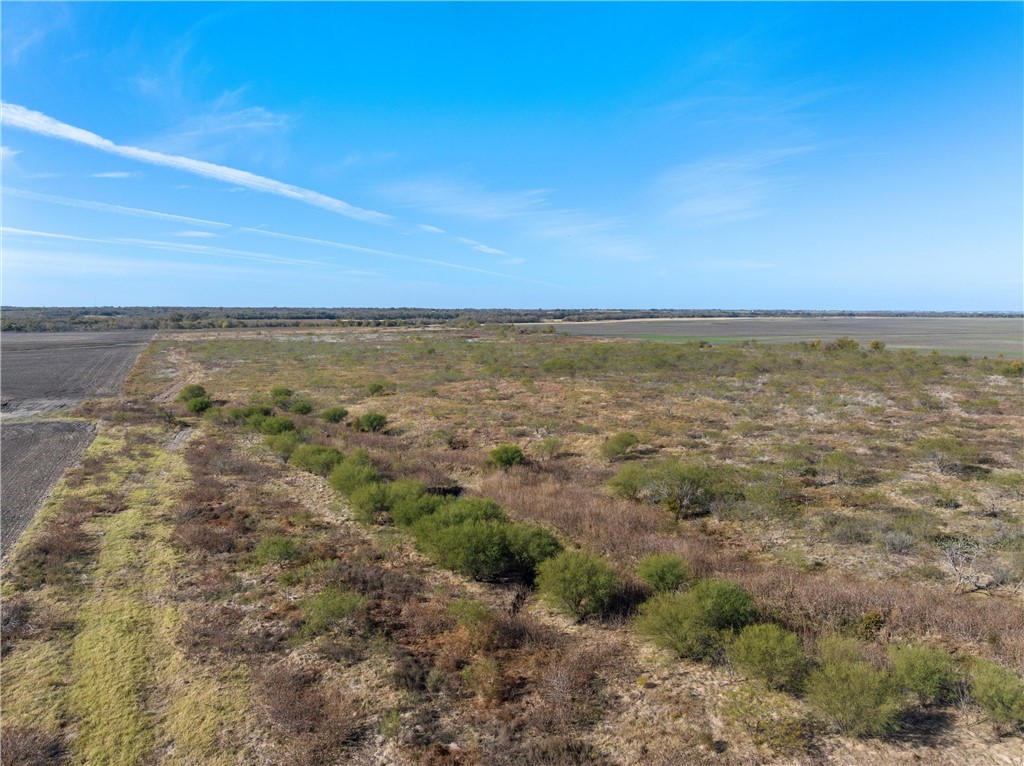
x,y
380,388
771,654
506,456
301,407
664,572
193,391
198,405
371,421
370,502
271,424
316,458
239,415
578,583
854,695
276,549
281,396
549,447
618,445
330,606
410,502
1000,693
284,444
352,472
683,489
929,674
334,414
530,545
697,623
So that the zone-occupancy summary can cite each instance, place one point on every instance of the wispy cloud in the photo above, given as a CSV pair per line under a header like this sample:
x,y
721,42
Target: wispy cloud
x,y
7,153
529,211
191,234
480,246
104,207
722,190
455,198
116,174
179,247
100,206
429,229
19,117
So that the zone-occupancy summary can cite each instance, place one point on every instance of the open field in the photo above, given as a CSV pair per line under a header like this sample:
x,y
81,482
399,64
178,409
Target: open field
x,y
976,336
218,588
50,373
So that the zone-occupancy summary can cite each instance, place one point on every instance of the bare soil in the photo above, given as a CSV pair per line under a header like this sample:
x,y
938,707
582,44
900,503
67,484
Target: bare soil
x,y
45,374
950,335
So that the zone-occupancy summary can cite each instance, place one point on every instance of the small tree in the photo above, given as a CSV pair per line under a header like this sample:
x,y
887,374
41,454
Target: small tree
x,y
664,572
334,414
579,583
929,674
771,654
192,391
506,456
618,445
372,421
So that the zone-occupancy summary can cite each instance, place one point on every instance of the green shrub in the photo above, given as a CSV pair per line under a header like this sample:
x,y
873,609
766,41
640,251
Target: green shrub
x,y
332,605
198,405
1000,693
618,445
352,472
549,447
316,458
664,572
271,424
301,407
683,489
380,388
697,623
579,583
530,545
284,444
929,674
771,654
276,549
410,502
506,456
281,396
370,502
371,421
474,548
334,414
856,697
1014,369
192,391
240,415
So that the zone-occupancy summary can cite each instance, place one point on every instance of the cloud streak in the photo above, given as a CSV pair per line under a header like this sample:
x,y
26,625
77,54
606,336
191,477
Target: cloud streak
x,y
480,246
104,207
15,116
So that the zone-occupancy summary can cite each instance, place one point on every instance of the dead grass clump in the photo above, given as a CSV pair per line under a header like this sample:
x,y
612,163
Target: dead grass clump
x,y
409,673
581,513
61,540
560,751
569,691
22,746
15,620
193,535
209,629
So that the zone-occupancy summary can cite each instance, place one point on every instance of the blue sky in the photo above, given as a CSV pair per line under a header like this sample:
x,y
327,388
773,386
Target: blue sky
x,y
633,155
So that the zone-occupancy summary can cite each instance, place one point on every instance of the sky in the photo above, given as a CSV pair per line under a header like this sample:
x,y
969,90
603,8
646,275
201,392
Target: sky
x,y
524,155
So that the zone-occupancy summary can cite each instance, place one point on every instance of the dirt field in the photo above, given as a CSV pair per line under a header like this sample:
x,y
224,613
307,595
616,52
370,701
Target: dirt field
x,y
976,336
46,373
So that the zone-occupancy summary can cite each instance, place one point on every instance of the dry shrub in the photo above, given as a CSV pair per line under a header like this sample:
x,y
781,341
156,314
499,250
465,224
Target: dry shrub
x,y
812,603
569,691
193,535
611,526
15,620
561,751
23,746
209,629
409,673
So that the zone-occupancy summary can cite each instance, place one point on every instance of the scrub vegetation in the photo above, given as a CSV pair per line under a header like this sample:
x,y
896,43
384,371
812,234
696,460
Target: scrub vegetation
x,y
393,545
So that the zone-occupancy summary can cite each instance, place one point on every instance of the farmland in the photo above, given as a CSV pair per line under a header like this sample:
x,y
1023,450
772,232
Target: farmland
x,y
977,336
266,555
47,374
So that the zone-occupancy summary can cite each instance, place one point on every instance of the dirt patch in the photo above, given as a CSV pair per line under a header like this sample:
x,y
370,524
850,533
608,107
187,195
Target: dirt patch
x,y
34,456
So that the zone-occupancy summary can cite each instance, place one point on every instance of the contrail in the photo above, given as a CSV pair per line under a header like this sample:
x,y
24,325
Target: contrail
x,y
35,122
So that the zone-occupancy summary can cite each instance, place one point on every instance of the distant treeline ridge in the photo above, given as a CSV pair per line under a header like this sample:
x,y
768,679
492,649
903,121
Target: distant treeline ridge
x,y
65,319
